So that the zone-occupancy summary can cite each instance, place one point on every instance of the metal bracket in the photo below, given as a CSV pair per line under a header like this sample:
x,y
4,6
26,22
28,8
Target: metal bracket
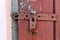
x,y
33,21
39,17
35,17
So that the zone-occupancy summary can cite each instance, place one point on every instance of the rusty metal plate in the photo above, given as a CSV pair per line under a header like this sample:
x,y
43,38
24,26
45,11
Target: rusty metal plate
x,y
46,17
33,22
41,17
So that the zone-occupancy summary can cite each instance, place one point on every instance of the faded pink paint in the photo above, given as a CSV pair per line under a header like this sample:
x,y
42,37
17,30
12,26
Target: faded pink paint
x,y
8,19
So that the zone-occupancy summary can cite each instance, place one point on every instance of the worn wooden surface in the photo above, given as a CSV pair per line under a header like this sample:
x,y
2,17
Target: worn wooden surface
x,y
58,19
44,30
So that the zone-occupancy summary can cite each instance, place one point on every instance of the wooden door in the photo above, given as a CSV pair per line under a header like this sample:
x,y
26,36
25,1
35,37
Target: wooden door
x,y
45,28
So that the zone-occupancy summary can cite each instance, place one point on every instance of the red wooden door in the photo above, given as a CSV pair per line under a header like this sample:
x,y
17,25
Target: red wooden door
x,y
45,28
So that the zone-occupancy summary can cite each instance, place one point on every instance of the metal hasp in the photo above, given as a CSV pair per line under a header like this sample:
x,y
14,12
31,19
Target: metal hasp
x,y
33,18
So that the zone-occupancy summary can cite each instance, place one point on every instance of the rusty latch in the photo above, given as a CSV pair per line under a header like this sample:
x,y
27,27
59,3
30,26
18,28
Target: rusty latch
x,y
41,17
35,17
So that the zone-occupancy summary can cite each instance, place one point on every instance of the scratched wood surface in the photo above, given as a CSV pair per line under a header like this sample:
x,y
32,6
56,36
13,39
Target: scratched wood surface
x,y
44,28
